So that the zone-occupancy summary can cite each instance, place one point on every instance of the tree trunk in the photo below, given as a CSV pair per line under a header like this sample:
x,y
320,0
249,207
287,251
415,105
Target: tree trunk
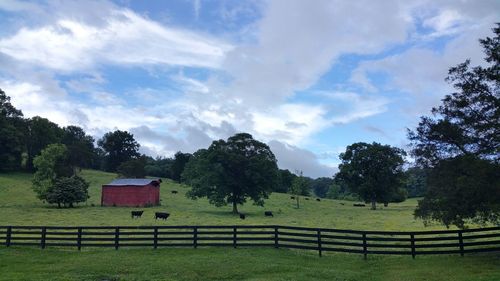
x,y
58,205
374,205
298,206
235,208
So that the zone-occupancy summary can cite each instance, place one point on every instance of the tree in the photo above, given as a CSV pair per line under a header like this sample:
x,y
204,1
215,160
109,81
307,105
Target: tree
x,y
40,133
50,165
321,186
68,191
416,181
159,167
285,180
300,187
373,171
178,165
133,168
229,172
465,127
11,134
80,146
119,146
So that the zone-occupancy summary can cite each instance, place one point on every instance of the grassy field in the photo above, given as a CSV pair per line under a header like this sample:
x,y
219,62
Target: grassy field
x,y
240,264
19,206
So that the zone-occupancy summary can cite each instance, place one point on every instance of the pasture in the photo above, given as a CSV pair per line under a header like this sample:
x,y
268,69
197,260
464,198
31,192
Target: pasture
x,y
19,206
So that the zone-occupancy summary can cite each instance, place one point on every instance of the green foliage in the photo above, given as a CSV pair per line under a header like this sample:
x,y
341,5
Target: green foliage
x,y
373,171
68,191
300,187
321,186
465,127
80,146
416,182
460,189
178,165
11,134
50,165
133,168
285,180
232,171
159,167
40,133
118,146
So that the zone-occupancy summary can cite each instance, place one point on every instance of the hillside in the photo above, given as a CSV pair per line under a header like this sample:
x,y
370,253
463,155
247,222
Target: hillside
x,y
19,206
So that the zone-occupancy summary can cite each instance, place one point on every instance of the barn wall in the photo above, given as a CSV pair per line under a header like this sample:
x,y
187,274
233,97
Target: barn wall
x,y
130,196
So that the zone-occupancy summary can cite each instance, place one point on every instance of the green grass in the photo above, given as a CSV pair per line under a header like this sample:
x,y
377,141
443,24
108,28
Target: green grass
x,y
19,206
240,264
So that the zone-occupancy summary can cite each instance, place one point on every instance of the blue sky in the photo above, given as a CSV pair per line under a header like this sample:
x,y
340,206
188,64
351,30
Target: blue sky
x,y
306,77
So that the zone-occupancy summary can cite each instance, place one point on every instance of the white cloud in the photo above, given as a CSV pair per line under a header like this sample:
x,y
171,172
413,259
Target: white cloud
x,y
126,38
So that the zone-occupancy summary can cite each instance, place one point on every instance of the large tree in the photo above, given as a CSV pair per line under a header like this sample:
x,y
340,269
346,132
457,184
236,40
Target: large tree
x,y
119,146
229,172
40,132
11,134
178,165
373,171
463,130
80,146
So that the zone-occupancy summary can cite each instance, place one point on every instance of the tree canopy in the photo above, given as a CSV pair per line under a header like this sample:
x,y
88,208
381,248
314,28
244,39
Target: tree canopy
x,y
460,143
229,172
118,146
11,134
373,171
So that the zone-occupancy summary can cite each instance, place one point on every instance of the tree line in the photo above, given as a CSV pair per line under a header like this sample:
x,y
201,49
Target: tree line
x,y
456,153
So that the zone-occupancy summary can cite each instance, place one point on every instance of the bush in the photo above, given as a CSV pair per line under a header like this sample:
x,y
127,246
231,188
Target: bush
x,y
67,191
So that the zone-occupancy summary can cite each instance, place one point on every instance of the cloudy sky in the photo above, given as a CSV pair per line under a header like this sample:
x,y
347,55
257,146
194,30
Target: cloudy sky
x,y
306,77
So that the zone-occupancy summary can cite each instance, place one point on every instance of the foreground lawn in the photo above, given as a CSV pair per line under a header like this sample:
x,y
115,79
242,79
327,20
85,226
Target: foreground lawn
x,y
19,206
236,264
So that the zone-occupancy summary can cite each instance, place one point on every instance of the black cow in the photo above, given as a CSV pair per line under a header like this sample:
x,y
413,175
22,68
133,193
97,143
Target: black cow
x,y
306,198
137,214
358,205
268,214
342,203
292,197
242,216
162,216
174,191
317,199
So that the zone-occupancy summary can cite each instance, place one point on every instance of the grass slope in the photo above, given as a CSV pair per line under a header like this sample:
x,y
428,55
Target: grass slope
x,y
19,206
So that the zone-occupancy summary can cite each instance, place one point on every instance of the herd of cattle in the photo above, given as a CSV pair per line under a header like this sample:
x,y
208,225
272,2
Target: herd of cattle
x,y
164,216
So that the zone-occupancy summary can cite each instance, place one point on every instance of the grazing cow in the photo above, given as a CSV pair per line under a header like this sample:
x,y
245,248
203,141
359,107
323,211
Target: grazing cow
x,y
292,197
359,205
306,198
268,214
317,199
137,214
174,191
342,203
242,216
162,216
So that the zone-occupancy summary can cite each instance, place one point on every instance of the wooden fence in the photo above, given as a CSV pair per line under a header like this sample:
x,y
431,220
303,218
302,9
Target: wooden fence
x,y
317,239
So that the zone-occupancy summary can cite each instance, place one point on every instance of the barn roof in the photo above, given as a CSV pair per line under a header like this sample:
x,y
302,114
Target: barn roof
x,y
136,182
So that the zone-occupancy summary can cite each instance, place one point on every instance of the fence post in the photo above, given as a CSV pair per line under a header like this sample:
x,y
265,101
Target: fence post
x,y
413,252
155,237
195,237
364,246
276,239
42,240
117,237
319,243
235,239
461,243
79,239
7,238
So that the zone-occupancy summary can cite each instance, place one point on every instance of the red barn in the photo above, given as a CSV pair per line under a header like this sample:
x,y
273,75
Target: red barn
x,y
131,192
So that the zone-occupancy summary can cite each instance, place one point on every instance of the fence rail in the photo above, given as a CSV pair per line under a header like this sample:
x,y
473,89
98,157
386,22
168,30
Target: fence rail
x,y
317,239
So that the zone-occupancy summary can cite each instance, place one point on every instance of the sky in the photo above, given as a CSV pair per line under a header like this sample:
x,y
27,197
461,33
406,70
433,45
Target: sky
x,y
306,77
